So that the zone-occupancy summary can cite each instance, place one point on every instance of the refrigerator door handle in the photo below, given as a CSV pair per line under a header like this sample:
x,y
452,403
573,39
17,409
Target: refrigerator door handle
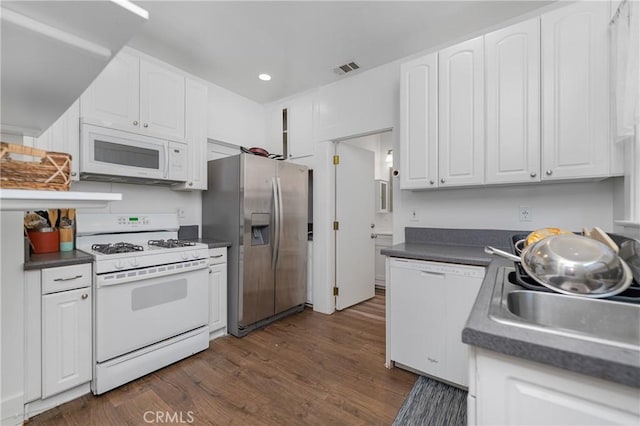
x,y
276,221
280,219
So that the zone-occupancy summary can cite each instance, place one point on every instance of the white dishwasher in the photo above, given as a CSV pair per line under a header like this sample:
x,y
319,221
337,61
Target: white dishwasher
x,y
428,305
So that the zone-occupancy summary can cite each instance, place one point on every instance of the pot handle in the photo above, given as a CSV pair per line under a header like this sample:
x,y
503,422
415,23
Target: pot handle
x,y
501,253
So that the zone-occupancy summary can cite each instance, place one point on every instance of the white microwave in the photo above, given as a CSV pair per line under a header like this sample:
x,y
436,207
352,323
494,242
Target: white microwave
x,y
108,154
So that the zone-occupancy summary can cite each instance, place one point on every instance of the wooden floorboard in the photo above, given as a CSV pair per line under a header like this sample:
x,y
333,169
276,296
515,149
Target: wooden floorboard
x,y
309,368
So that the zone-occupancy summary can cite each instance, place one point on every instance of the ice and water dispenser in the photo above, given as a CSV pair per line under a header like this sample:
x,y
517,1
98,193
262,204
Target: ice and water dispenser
x,y
260,229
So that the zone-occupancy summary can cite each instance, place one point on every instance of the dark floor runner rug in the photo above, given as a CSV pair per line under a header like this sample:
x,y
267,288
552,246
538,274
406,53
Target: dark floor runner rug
x,y
433,403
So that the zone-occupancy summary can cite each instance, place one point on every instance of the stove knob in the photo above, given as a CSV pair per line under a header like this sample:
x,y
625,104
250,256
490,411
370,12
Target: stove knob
x,y
118,264
185,256
134,263
194,255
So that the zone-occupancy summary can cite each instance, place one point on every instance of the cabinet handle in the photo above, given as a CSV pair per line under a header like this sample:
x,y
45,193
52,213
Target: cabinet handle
x,y
68,278
190,183
84,296
442,180
145,125
549,172
135,123
73,173
431,182
210,271
533,174
217,256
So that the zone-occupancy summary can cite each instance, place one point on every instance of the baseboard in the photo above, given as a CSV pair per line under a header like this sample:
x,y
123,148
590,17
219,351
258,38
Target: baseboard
x,y
12,409
39,406
217,333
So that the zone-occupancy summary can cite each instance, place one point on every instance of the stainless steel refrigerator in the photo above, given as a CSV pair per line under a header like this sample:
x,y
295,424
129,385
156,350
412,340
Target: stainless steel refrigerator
x,y
260,205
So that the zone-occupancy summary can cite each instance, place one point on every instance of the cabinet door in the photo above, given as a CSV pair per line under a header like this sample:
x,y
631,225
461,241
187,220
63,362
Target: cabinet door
x,y
195,135
66,340
161,100
419,123
417,319
512,60
459,296
300,127
217,297
64,136
461,114
575,95
114,97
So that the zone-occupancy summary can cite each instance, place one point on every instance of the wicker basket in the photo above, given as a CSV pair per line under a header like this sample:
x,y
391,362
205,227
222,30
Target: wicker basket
x,y
51,170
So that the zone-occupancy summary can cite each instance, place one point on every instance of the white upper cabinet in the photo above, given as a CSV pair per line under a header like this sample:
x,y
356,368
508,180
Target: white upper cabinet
x,y
196,95
161,99
575,95
461,114
114,97
419,123
300,127
137,94
512,64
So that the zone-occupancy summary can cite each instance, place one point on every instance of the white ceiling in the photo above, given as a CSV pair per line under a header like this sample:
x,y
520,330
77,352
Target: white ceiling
x,y
300,42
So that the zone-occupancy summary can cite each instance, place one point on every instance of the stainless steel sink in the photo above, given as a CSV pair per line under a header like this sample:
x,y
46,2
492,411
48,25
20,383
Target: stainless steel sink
x,y
598,320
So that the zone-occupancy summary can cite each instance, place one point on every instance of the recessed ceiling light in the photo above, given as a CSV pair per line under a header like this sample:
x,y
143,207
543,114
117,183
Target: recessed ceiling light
x,y
264,77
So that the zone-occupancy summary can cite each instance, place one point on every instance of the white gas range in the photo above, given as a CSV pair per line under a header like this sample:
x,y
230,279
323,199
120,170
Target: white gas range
x,y
151,294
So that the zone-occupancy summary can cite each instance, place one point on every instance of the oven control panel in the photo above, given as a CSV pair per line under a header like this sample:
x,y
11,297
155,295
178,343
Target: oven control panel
x,y
133,220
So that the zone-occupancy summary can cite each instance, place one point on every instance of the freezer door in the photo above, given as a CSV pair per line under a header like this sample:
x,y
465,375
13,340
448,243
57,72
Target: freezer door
x,y
256,283
291,267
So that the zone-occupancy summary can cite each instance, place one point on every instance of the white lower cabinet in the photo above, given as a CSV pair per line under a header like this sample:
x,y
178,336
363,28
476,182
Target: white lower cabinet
x,y
217,292
66,340
514,391
429,303
58,336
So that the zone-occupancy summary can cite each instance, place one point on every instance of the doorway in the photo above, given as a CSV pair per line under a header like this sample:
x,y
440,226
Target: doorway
x,y
363,216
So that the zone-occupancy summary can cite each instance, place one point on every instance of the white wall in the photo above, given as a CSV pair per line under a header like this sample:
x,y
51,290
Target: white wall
x,y
567,205
142,199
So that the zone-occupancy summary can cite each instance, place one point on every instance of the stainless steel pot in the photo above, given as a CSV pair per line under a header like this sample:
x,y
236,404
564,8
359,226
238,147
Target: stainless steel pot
x,y
572,264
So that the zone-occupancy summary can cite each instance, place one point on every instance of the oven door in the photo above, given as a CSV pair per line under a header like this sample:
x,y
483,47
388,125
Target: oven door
x,y
136,314
113,152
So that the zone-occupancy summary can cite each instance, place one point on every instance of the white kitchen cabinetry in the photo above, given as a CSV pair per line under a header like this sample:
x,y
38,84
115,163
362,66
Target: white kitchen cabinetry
x,y
461,114
217,292
63,136
196,95
382,241
428,304
137,94
296,126
57,334
575,91
66,340
508,390
419,123
512,60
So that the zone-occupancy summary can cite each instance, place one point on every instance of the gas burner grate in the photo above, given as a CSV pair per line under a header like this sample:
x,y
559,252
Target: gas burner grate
x,y
116,248
171,243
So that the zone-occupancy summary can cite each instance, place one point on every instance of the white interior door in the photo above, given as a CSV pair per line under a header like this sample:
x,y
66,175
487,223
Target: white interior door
x,y
355,246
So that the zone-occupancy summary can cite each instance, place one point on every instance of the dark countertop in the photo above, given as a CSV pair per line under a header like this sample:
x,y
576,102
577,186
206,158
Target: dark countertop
x,y
600,360
213,243
60,258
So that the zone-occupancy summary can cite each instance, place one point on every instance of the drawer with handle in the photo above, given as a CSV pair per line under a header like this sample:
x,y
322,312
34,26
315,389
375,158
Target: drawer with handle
x,y
217,255
66,278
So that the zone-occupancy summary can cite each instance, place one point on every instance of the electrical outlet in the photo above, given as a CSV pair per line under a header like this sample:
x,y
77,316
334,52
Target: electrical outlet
x,y
525,214
413,215
181,213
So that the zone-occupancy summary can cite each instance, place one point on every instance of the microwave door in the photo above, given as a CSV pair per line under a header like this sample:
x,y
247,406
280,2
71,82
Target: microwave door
x,y
114,153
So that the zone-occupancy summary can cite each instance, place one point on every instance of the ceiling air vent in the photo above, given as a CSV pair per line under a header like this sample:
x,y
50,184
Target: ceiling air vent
x,y
343,69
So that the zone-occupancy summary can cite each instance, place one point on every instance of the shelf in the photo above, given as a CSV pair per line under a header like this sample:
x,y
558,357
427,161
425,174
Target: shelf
x,y
23,199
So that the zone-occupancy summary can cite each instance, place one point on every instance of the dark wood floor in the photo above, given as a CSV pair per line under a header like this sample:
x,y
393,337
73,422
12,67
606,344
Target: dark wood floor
x,y
305,369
